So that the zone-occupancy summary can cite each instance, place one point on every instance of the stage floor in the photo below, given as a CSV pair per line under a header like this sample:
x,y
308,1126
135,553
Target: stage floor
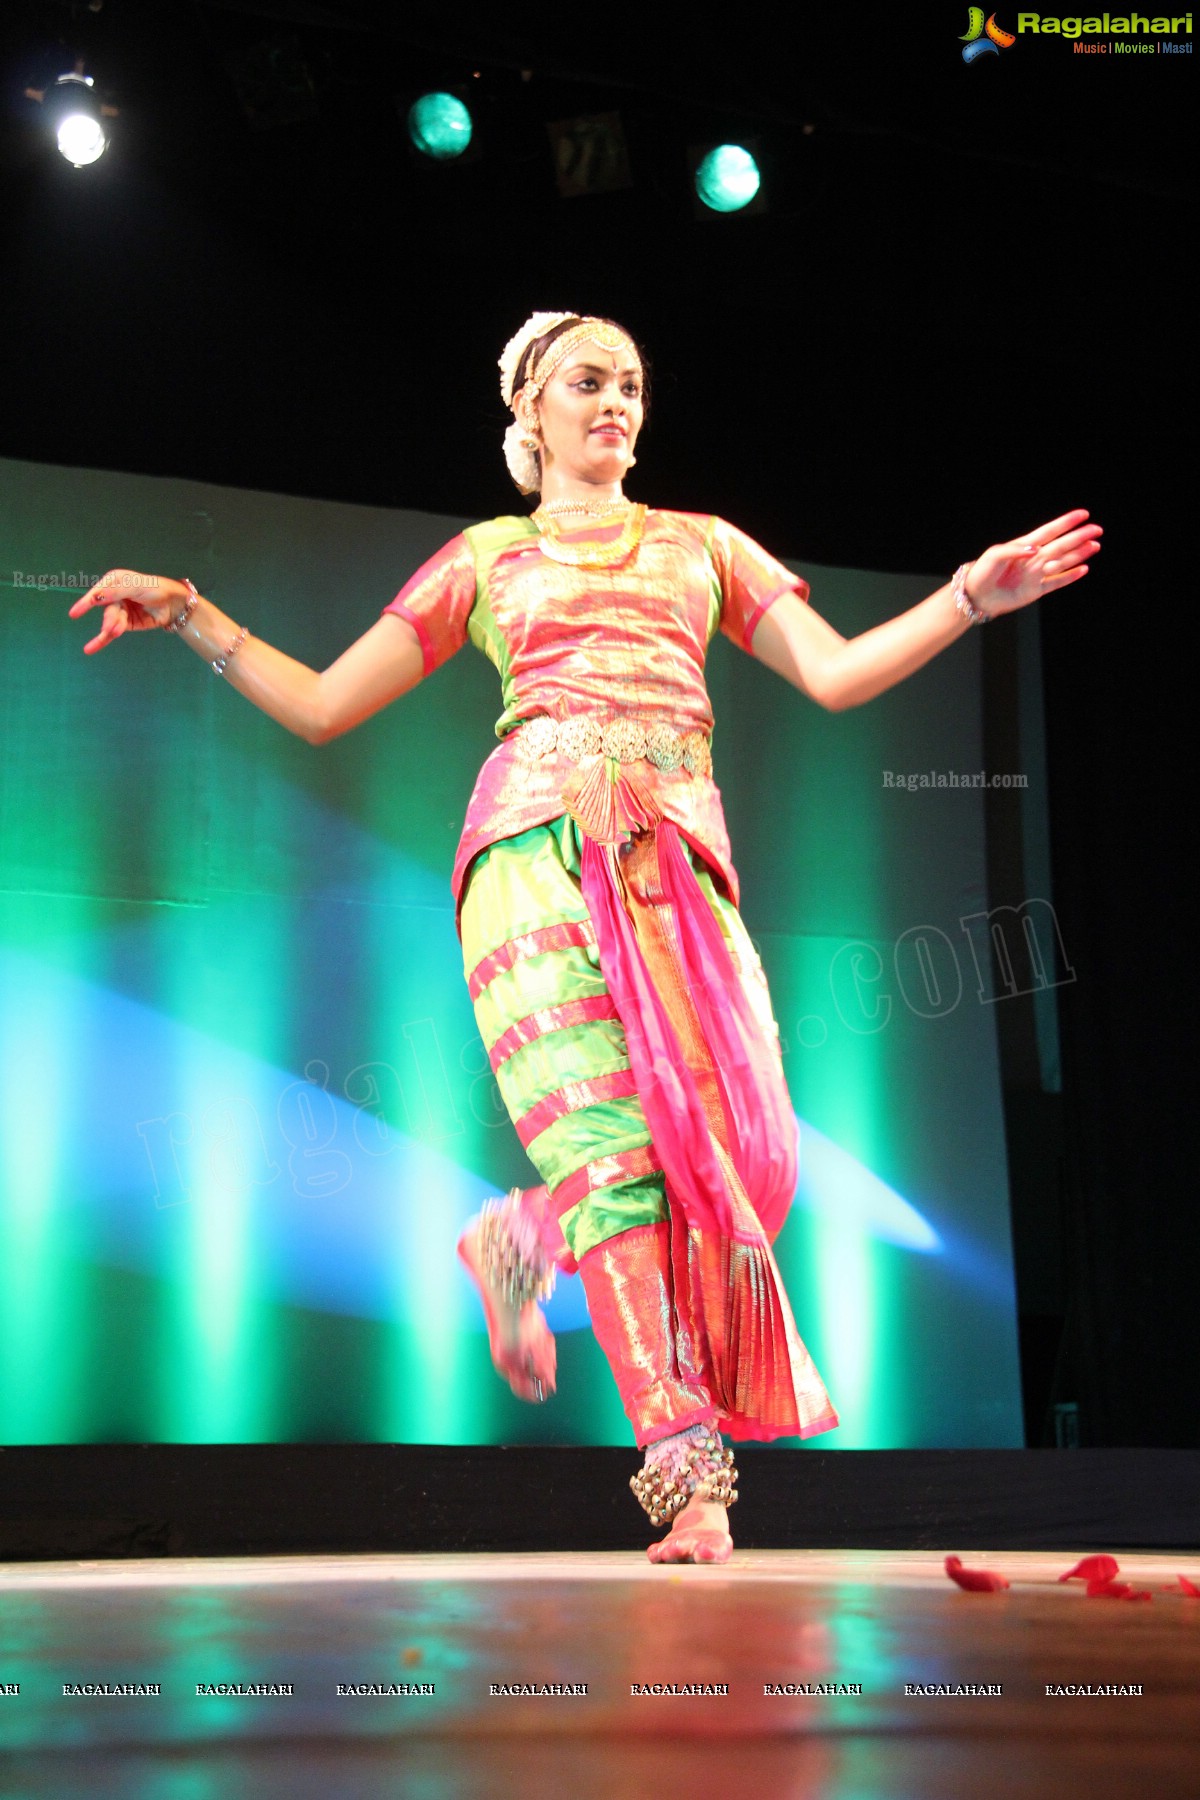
x,y
444,1632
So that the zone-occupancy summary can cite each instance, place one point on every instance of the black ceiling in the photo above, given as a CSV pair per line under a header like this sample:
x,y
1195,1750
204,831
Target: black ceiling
x,y
958,299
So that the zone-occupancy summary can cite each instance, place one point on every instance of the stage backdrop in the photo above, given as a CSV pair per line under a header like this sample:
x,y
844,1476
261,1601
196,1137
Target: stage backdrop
x,y
244,1109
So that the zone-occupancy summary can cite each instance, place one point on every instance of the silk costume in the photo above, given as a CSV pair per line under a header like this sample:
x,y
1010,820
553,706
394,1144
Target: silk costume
x,y
622,1005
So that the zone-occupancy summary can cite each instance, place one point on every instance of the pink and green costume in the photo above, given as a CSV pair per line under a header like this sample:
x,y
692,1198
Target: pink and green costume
x,y
621,1002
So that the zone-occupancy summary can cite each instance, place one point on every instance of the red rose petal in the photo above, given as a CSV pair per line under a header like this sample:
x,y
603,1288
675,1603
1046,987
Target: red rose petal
x,y
1115,1590
1189,1587
975,1581
1093,1568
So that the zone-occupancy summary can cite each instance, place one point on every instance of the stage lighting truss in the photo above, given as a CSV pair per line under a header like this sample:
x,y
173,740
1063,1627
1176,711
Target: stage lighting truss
x,y
76,115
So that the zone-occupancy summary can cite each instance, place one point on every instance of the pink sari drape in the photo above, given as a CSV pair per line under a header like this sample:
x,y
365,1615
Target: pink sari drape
x,y
713,1091
760,1128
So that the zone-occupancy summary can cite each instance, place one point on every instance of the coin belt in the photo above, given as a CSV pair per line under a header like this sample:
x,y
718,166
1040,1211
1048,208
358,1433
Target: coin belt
x,y
625,740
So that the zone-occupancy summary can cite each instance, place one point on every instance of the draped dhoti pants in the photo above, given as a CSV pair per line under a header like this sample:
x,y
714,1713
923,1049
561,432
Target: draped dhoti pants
x,y
686,1303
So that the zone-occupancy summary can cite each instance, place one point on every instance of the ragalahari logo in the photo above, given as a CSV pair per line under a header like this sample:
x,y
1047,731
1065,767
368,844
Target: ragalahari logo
x,y
983,39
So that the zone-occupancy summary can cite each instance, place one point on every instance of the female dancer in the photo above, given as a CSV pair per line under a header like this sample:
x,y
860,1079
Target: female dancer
x,y
622,1005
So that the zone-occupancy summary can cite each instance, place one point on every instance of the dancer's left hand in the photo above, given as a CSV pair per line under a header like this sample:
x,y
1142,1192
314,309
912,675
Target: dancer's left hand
x,y
1009,576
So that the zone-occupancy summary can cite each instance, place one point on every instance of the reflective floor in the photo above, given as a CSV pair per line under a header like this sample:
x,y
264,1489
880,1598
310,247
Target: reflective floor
x,y
434,1636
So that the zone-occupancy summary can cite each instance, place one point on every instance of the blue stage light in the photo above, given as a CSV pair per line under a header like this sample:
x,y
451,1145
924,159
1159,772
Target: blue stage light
x,y
728,178
440,126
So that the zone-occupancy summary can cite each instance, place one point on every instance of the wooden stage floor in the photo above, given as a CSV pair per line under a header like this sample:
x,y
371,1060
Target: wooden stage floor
x,y
869,1625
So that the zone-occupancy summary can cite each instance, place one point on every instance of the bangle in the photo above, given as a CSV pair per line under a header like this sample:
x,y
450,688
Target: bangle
x,y
189,606
963,602
219,662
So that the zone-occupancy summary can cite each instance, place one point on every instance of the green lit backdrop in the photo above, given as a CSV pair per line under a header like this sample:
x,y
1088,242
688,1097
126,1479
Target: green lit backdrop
x,y
243,1106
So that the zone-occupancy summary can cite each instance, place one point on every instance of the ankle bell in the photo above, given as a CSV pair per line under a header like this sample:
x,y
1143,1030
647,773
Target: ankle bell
x,y
510,1253
691,1465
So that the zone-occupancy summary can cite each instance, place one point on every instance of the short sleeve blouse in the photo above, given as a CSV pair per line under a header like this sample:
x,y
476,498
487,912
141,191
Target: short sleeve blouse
x,y
625,641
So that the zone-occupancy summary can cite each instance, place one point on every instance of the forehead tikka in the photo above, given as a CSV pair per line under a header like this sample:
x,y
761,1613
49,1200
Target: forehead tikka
x,y
588,331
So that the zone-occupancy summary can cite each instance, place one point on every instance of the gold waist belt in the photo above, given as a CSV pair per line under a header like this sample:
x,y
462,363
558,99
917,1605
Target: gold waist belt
x,y
625,740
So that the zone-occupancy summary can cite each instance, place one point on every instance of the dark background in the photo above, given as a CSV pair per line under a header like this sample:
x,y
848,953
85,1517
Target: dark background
x,y
961,310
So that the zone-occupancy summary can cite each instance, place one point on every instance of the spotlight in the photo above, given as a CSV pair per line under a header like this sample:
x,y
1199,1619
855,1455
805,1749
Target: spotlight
x,y
727,178
76,116
440,126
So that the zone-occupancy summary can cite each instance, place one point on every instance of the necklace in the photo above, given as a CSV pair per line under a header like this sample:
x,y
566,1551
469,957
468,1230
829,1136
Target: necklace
x,y
588,553
594,509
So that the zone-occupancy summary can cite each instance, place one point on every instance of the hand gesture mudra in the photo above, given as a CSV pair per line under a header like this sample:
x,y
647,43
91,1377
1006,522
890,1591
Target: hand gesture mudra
x,y
131,602
1009,576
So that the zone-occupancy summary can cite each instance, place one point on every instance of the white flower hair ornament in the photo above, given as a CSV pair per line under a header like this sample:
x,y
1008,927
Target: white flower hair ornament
x,y
535,326
521,455
520,444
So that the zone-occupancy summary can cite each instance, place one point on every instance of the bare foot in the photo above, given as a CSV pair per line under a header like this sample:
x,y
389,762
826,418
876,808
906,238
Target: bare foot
x,y
698,1534
521,1342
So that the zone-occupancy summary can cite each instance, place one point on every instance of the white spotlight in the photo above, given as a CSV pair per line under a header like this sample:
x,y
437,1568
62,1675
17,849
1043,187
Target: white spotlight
x,y
77,119
81,139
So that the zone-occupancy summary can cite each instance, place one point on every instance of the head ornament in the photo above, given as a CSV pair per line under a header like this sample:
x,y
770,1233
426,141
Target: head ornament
x,y
535,326
520,446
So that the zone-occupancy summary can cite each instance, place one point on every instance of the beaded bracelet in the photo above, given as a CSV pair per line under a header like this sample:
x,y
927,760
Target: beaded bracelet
x,y
181,618
219,662
963,602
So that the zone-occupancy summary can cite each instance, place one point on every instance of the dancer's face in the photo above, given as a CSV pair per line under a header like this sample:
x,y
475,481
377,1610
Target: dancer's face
x,y
590,413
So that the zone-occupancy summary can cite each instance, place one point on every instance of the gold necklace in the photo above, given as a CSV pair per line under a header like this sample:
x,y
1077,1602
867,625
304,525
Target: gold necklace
x,y
599,509
589,554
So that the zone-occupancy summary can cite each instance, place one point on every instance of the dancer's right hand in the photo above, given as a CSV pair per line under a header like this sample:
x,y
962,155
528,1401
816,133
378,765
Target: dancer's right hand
x,y
131,602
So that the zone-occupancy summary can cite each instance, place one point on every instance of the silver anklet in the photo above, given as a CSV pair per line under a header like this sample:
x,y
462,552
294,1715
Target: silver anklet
x,y
510,1253
691,1464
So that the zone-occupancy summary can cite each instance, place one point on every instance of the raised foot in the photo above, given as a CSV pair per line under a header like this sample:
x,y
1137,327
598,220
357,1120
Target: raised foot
x,y
520,1341
700,1534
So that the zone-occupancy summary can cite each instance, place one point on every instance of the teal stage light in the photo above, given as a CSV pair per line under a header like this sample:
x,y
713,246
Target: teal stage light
x,y
440,126
728,178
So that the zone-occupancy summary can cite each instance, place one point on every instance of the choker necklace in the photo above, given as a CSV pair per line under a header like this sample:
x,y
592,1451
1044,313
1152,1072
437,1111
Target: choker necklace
x,y
588,553
592,509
